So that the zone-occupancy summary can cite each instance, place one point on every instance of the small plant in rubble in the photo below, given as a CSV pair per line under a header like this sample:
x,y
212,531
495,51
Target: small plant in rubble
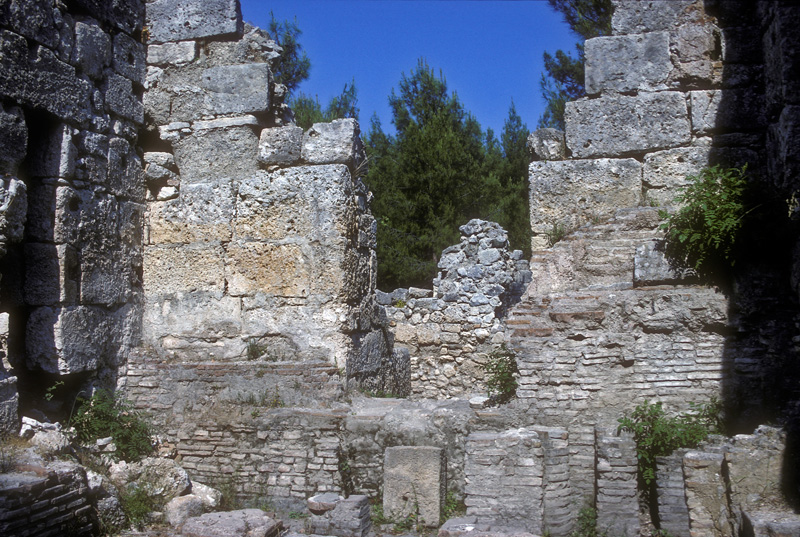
x,y
501,371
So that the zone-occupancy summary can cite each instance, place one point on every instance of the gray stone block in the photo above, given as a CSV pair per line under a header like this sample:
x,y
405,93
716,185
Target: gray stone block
x,y
626,63
652,15
664,172
121,99
547,144
13,138
726,110
237,89
619,125
129,58
37,78
51,274
13,210
337,142
31,18
572,192
172,53
280,146
203,212
205,155
54,155
92,51
179,20
414,480
651,267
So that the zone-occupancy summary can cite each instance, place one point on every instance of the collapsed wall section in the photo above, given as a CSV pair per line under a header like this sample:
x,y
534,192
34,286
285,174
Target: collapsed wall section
x,y
71,79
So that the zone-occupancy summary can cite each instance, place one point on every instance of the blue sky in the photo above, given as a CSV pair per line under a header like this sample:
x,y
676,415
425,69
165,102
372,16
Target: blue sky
x,y
489,51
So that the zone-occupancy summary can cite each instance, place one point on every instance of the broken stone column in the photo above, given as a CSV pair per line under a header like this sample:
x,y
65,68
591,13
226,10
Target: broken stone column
x,y
617,499
673,513
414,482
706,495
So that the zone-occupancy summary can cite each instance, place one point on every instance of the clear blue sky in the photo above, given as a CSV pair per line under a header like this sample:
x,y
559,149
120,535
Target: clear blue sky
x,y
489,51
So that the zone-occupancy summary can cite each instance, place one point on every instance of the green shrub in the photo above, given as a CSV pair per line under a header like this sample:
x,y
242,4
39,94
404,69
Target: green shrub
x,y
558,232
137,503
453,507
703,233
586,523
500,369
103,415
657,435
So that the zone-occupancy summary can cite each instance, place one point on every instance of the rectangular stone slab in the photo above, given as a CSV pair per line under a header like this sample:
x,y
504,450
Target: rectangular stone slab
x,y
414,479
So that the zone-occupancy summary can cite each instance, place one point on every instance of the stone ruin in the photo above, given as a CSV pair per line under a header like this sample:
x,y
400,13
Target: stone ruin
x,y
168,232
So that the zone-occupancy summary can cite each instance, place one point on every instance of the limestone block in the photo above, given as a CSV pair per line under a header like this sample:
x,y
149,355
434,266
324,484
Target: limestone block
x,y
73,339
127,15
202,212
616,125
241,523
769,522
207,155
651,267
121,99
129,58
9,404
638,62
696,49
179,509
225,122
179,20
573,192
280,145
664,172
414,478
274,269
37,78
33,19
547,144
54,155
672,510
237,89
13,138
125,176
172,53
653,15
617,498
337,142
755,465
730,109
92,51
184,268
166,478
13,209
196,314
51,274
706,494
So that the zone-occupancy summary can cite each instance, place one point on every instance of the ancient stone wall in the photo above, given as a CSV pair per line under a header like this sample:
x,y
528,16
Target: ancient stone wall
x,y
450,331
71,80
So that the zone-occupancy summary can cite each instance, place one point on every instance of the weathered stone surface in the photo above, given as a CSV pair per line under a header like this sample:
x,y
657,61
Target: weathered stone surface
x,y
242,523
626,63
172,53
92,50
645,122
13,138
182,319
202,213
51,274
179,20
280,146
337,142
171,269
350,517
275,269
651,266
664,172
324,502
13,209
205,156
547,144
121,99
767,522
210,497
9,403
414,482
652,15
617,497
54,155
164,477
179,509
39,79
719,110
33,19
129,58
705,494
696,49
571,193
237,89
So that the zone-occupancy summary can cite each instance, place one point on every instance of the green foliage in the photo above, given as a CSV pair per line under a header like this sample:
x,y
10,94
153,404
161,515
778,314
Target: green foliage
x,y
565,73
558,232
453,507
439,171
255,349
51,391
137,502
586,523
703,233
657,435
500,369
293,65
105,414
376,513
298,515
308,111
11,448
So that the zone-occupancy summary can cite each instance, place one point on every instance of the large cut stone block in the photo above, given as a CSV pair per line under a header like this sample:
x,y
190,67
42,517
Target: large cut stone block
x,y
92,51
280,145
665,172
706,494
627,63
715,110
172,53
31,18
202,212
617,498
191,315
9,404
179,20
13,138
652,15
274,269
13,210
125,176
182,269
122,100
208,155
51,274
617,125
37,78
570,193
651,266
414,480
337,142
237,89
129,58
54,155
